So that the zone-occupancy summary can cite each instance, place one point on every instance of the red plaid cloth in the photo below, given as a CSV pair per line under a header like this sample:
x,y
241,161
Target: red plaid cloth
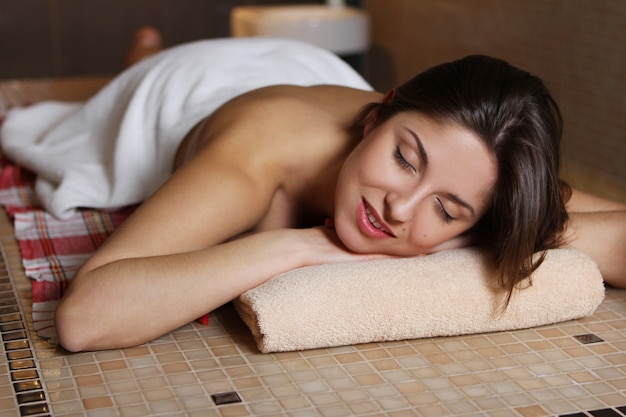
x,y
52,249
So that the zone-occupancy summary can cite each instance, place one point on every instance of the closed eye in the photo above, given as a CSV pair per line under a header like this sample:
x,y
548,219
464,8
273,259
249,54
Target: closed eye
x,y
443,213
404,164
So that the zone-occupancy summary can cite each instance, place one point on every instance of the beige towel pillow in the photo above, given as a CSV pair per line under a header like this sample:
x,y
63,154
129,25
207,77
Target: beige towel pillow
x,y
448,293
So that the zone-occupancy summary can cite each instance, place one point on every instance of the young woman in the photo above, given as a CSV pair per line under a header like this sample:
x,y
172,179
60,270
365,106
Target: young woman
x,y
465,153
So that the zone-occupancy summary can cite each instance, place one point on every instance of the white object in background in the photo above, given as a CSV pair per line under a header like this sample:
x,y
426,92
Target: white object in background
x,y
342,30
335,3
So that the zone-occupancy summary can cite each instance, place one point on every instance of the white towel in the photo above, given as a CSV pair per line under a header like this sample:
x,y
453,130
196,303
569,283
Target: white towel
x,y
444,294
119,147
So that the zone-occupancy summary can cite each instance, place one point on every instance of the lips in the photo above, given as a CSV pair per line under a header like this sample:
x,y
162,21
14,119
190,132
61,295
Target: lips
x,y
370,222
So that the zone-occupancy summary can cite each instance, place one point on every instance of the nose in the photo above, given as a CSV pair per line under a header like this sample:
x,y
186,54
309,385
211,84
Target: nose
x,y
401,207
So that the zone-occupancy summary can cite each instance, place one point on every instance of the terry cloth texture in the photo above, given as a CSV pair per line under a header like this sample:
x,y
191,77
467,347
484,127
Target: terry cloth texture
x,y
444,294
119,147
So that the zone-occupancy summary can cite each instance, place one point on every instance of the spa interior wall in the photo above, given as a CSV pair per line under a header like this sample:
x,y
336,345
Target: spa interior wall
x,y
577,46
60,38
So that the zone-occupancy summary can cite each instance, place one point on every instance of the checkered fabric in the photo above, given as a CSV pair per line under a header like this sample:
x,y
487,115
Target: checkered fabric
x,y
52,249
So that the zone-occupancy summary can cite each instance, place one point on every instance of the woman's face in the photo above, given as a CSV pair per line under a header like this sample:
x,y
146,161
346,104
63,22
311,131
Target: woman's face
x,y
411,186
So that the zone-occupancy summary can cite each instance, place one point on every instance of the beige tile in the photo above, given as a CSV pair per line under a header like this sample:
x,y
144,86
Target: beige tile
x,y
532,372
532,411
97,402
296,403
431,410
234,411
247,383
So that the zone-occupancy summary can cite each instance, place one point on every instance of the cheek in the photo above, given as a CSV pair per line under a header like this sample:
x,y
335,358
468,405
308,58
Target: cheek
x,y
346,192
373,167
427,230
355,169
345,180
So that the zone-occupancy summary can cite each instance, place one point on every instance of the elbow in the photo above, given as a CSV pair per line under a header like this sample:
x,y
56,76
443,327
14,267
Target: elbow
x,y
72,328
77,321
82,325
73,317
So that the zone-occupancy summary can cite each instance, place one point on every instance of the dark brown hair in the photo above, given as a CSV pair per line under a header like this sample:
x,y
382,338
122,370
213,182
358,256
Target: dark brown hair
x,y
519,121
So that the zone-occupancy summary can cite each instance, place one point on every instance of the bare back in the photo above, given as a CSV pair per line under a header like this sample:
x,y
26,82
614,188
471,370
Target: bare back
x,y
300,134
265,160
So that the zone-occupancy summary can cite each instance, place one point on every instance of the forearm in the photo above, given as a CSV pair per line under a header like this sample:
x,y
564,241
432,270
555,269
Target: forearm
x,y
132,301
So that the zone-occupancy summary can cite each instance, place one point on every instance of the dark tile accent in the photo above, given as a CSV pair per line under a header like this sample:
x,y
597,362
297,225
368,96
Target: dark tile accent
x,y
21,363
24,375
9,318
19,335
31,397
9,327
27,386
34,409
9,309
17,344
226,398
16,355
588,338
605,412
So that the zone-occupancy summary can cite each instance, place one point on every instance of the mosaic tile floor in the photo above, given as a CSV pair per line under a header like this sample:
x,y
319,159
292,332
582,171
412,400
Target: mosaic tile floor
x,y
573,368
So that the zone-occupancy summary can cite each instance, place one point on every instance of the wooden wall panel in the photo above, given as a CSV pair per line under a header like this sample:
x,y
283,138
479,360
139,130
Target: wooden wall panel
x,y
26,45
577,46
56,38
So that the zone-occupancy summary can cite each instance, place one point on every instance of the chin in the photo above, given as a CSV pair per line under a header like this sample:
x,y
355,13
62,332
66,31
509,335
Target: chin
x,y
358,244
348,239
353,240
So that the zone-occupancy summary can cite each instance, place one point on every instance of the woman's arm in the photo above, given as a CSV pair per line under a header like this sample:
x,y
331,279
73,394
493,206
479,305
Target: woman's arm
x,y
134,300
168,264
598,228
159,269
162,269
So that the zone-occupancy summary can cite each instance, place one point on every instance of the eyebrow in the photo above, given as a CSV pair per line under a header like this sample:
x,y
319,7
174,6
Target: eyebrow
x,y
424,156
462,202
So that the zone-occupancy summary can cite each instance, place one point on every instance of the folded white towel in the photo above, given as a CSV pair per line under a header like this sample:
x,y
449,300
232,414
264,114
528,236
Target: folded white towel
x,y
445,294
119,147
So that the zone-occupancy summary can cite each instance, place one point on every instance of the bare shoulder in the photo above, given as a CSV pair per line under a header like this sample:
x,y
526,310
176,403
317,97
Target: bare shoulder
x,y
265,147
276,125
284,142
321,99
582,202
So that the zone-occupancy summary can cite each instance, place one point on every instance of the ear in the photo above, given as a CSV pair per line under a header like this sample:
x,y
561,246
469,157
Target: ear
x,y
374,117
389,96
369,126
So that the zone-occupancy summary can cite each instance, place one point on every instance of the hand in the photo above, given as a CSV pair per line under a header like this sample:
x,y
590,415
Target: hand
x,y
322,246
469,238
